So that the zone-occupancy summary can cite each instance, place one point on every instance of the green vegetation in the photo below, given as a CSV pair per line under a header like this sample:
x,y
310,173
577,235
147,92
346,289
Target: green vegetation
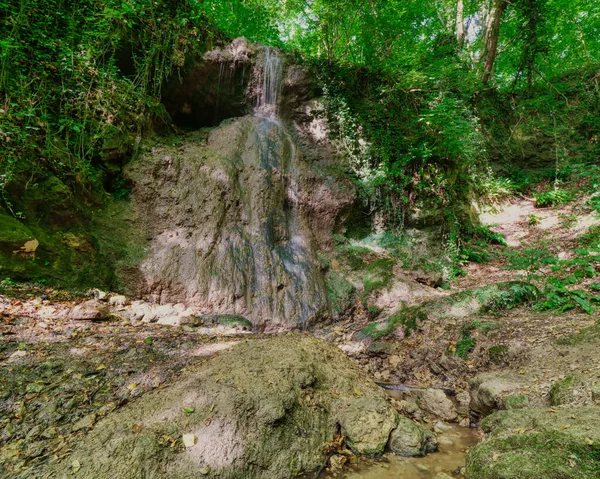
x,y
516,401
552,198
562,391
409,318
498,353
544,455
584,336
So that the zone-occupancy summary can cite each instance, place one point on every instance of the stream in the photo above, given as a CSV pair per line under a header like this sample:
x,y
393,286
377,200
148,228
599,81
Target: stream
x,y
453,446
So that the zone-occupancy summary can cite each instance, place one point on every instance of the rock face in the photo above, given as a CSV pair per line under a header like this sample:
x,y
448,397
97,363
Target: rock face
x,y
263,409
538,444
236,219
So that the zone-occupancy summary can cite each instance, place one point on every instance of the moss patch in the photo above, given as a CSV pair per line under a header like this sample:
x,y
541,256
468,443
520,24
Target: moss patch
x,y
586,335
548,455
409,318
538,443
379,275
516,401
561,392
341,293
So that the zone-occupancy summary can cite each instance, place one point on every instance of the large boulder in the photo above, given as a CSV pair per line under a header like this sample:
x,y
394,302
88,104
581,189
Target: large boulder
x,y
538,444
263,409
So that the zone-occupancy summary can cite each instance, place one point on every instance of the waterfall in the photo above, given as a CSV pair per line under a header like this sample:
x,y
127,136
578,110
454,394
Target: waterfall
x,y
279,152
270,87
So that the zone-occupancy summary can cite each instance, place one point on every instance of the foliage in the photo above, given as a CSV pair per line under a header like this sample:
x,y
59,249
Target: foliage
x,y
464,346
517,294
409,318
75,75
552,198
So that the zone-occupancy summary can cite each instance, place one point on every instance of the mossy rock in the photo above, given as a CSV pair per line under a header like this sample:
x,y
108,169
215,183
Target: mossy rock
x,y
341,293
589,335
538,444
498,353
516,401
13,233
565,391
264,409
379,275
409,318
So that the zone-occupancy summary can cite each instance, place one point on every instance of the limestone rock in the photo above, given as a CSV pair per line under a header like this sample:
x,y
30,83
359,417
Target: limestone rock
x,y
366,424
569,390
436,403
262,409
90,310
410,439
117,301
488,390
235,224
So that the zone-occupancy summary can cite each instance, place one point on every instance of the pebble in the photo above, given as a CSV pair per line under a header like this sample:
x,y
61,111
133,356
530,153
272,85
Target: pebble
x,y
17,355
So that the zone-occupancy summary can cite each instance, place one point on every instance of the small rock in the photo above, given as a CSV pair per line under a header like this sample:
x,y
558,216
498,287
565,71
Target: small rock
x,y
118,300
204,470
189,440
408,408
442,426
336,462
435,402
379,348
170,321
446,441
464,422
352,348
90,310
366,424
487,391
394,360
411,440
98,294
179,307
17,355
85,422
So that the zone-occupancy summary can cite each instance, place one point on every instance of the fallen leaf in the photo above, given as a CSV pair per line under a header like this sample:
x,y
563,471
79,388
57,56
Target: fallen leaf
x,y
189,440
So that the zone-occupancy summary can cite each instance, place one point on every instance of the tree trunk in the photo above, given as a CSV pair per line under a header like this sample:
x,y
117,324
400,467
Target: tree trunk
x,y
492,39
460,26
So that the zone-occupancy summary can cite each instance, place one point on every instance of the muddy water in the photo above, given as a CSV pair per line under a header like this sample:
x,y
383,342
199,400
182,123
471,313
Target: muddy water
x,y
453,446
447,462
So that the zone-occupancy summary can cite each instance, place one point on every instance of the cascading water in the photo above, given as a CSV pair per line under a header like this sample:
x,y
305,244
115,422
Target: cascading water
x,y
274,138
